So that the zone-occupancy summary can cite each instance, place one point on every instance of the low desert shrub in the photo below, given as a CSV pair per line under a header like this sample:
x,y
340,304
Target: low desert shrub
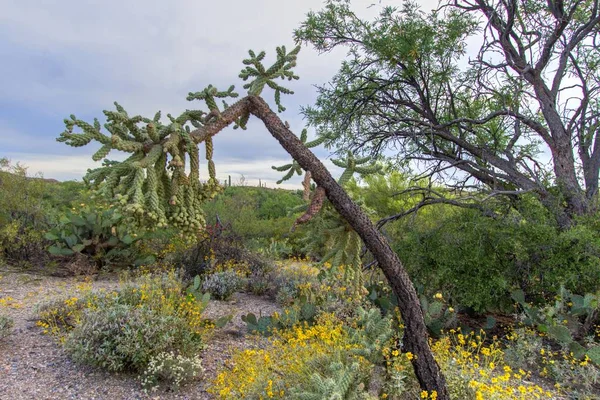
x,y
290,278
528,349
127,328
125,338
171,370
6,324
287,363
223,284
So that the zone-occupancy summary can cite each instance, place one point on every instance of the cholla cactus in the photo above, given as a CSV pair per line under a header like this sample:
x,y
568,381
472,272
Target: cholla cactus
x,y
294,167
159,184
343,380
351,165
282,68
343,243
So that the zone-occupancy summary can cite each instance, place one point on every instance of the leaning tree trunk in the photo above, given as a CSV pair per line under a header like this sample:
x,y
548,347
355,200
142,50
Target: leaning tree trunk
x,y
416,338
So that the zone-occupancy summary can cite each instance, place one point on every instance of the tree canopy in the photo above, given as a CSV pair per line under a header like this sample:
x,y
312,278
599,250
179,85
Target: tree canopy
x,y
409,90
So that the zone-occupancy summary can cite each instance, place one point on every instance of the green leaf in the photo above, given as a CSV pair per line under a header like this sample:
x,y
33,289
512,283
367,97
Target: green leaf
x,y
60,251
127,239
51,236
78,248
308,311
577,301
77,220
222,321
197,282
435,327
518,296
590,301
577,349
435,308
594,354
560,333
250,319
71,240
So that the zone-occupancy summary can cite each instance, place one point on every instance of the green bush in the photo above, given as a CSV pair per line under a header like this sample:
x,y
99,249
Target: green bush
x,y
171,369
223,284
6,325
125,338
478,258
23,217
258,215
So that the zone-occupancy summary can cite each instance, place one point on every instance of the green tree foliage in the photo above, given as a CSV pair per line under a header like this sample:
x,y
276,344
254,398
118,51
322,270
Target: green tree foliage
x,y
476,259
23,217
257,215
405,87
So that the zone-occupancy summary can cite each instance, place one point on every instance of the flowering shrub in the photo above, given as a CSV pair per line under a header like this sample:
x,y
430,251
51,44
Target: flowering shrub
x,y
172,369
475,369
291,278
223,284
58,317
286,364
125,338
127,328
530,349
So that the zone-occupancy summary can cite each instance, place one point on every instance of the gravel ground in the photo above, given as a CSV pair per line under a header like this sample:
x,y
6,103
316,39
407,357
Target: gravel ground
x,y
34,366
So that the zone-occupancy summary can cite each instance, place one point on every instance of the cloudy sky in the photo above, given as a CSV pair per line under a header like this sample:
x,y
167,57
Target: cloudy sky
x,y
62,57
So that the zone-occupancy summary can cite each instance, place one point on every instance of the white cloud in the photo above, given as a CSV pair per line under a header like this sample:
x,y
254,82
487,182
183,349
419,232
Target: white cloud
x,y
66,56
73,167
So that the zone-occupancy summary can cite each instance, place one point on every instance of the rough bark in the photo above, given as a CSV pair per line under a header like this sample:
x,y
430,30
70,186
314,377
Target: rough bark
x,y
306,186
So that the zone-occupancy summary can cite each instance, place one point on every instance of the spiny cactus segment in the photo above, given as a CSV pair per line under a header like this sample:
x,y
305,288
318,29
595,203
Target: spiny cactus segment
x,y
294,167
260,76
352,165
151,186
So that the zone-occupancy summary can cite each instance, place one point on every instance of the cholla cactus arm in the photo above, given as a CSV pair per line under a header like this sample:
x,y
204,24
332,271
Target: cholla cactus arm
x,y
342,380
152,186
315,142
260,76
294,167
353,165
209,94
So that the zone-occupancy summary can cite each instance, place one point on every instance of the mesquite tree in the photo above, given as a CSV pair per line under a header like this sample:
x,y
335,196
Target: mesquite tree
x,y
152,187
489,121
